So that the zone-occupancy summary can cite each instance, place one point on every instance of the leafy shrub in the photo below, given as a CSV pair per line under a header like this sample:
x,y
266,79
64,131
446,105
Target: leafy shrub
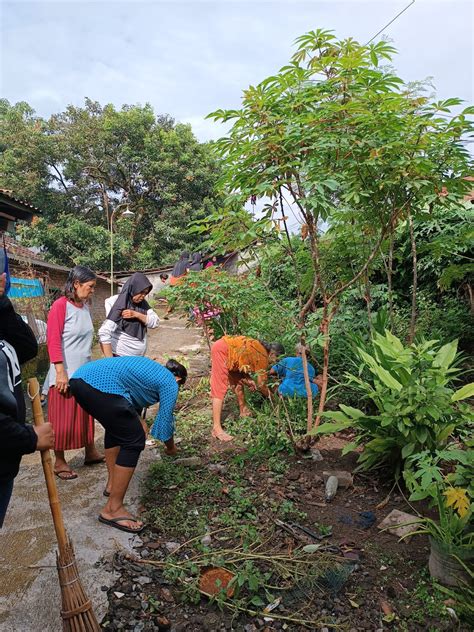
x,y
247,306
411,404
425,478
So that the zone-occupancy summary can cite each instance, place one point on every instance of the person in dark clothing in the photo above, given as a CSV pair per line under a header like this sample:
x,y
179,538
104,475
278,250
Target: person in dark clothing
x,y
180,269
17,345
195,265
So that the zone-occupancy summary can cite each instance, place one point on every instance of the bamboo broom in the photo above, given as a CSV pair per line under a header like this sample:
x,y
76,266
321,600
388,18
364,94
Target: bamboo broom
x,y
76,611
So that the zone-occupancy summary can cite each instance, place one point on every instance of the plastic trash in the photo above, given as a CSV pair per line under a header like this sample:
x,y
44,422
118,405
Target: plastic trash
x,y
331,488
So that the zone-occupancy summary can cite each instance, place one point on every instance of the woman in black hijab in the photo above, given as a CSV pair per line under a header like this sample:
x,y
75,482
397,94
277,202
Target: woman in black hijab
x,y
129,316
180,268
196,262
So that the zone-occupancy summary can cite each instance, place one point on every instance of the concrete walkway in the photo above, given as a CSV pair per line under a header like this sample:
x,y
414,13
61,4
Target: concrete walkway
x,y
29,591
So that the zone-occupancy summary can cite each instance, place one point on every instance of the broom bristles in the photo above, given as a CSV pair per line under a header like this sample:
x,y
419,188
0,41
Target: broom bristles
x,y
76,611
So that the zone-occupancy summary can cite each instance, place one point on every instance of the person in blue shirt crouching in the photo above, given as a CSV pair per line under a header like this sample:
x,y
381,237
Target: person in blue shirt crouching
x,y
291,373
113,391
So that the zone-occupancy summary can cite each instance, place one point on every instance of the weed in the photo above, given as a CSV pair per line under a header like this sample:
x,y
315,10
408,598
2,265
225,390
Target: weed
x,y
288,510
324,530
278,465
180,500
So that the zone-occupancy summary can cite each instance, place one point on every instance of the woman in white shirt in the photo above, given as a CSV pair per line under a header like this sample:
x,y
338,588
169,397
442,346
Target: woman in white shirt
x,y
123,333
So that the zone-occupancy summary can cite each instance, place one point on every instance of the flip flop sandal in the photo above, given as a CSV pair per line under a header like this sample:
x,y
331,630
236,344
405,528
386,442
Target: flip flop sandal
x,y
95,461
106,493
116,524
71,477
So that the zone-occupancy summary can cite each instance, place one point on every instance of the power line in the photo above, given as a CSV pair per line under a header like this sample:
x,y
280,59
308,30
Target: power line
x,y
391,21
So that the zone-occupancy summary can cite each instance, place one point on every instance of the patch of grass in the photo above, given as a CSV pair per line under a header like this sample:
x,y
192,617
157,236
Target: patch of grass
x,y
424,602
287,510
179,500
278,465
264,434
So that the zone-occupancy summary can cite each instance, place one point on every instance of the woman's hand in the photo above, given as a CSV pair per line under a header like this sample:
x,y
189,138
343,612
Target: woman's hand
x,y
129,313
249,383
62,379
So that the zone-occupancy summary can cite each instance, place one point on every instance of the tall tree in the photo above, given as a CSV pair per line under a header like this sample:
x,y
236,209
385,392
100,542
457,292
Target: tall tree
x,y
336,130
87,160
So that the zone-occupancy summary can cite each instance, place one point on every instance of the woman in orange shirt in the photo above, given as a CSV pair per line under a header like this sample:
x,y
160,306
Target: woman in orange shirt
x,y
235,359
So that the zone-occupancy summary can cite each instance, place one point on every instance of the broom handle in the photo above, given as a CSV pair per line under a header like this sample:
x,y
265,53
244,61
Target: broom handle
x,y
33,387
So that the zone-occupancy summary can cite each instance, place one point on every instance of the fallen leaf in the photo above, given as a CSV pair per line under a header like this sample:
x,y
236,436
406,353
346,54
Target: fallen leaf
x,y
354,604
386,607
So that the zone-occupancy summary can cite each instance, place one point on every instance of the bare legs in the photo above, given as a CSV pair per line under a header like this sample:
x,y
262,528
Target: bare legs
x,y
117,484
217,405
240,394
91,453
217,430
62,467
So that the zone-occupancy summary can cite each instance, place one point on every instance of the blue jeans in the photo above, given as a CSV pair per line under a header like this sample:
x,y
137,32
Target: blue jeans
x,y
6,488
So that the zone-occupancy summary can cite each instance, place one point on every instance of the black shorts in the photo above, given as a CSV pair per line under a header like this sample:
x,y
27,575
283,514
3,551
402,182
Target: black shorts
x,y
119,418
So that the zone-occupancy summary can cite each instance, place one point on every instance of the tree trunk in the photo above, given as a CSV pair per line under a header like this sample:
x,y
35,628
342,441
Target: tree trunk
x,y
368,299
411,335
324,386
307,384
390,281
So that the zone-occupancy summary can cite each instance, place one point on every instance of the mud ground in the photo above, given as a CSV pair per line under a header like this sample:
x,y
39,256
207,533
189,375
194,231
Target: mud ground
x,y
29,590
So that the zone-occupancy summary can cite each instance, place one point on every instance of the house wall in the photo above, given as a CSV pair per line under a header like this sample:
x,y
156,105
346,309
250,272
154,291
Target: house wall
x,y
54,281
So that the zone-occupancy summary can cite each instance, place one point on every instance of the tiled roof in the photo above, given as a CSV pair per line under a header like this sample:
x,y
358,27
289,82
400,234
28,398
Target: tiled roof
x,y
21,253
9,194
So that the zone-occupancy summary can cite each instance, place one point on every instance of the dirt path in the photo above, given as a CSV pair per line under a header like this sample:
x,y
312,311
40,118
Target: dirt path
x,y
29,591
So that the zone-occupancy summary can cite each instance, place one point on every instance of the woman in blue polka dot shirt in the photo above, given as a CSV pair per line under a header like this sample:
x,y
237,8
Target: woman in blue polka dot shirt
x,y
113,391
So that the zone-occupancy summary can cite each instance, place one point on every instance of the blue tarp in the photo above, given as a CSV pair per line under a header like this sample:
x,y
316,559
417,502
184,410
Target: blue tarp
x,y
25,288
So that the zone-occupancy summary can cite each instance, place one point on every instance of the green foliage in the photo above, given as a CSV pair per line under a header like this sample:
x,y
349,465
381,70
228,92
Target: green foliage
x,y
445,246
425,476
247,307
82,163
411,401
336,129
191,493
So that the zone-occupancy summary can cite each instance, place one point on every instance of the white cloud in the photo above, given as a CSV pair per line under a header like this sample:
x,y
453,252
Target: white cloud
x,y
190,58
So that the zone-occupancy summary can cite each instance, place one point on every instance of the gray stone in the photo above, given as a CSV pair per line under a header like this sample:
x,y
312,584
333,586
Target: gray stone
x,y
344,478
172,546
399,523
332,484
316,455
206,540
220,468
189,461
143,580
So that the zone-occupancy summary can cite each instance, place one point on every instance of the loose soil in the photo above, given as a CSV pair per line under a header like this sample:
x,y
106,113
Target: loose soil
x,y
367,579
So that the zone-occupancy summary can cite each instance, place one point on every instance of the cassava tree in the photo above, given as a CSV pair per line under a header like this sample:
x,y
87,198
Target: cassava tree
x,y
336,133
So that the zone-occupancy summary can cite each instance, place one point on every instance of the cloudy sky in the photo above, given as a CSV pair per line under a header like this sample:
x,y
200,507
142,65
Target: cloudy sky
x,y
189,58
